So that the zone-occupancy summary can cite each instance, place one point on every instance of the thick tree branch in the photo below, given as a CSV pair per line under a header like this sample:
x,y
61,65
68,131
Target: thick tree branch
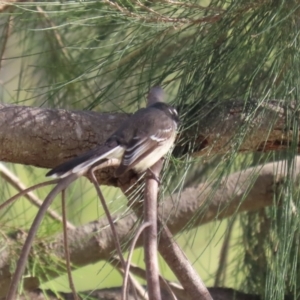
x,y
247,190
47,137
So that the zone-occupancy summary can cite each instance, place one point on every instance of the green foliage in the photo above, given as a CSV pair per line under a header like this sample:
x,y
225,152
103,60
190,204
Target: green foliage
x,y
104,55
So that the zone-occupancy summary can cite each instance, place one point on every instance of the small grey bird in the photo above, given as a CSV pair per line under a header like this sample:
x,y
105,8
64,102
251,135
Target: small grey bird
x,y
138,143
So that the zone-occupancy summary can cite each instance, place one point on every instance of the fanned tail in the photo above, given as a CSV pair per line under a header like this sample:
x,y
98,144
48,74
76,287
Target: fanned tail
x,y
83,162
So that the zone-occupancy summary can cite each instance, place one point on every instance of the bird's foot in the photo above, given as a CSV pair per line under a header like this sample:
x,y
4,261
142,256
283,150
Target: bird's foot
x,y
152,175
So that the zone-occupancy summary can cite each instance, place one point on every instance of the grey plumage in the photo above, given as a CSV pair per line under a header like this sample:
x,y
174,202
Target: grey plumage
x,y
139,143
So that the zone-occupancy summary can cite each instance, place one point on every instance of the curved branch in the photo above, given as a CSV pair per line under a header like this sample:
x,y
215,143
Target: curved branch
x,y
248,190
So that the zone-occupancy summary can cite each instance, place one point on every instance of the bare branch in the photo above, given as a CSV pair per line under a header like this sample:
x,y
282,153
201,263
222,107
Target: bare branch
x,y
182,268
112,226
26,191
32,232
17,184
46,138
66,246
150,233
128,263
172,288
142,294
247,190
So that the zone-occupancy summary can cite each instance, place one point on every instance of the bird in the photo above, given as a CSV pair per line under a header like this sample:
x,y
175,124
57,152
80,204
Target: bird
x,y
139,142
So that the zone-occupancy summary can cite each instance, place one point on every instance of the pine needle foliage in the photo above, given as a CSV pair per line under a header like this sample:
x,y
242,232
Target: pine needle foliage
x,y
104,55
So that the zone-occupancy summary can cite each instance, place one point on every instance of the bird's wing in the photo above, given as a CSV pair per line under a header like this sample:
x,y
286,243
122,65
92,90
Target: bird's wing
x,y
140,146
82,163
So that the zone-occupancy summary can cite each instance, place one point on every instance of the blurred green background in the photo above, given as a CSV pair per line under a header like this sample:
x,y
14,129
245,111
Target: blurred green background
x,y
104,56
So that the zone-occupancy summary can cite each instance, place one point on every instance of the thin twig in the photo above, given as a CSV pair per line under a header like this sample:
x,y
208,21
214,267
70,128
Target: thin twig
x,y
33,199
162,18
131,249
62,184
193,5
224,255
174,289
141,292
108,163
5,37
91,175
56,33
60,42
167,285
181,267
26,191
9,3
110,220
66,246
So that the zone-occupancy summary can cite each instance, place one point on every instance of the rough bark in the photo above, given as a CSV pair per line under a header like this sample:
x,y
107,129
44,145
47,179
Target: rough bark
x,y
47,137
44,138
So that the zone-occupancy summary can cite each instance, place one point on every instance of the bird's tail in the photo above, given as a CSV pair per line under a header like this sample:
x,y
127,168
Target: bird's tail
x,y
82,163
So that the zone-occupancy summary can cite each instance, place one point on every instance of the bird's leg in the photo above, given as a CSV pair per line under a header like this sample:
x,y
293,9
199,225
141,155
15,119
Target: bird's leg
x,y
154,176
